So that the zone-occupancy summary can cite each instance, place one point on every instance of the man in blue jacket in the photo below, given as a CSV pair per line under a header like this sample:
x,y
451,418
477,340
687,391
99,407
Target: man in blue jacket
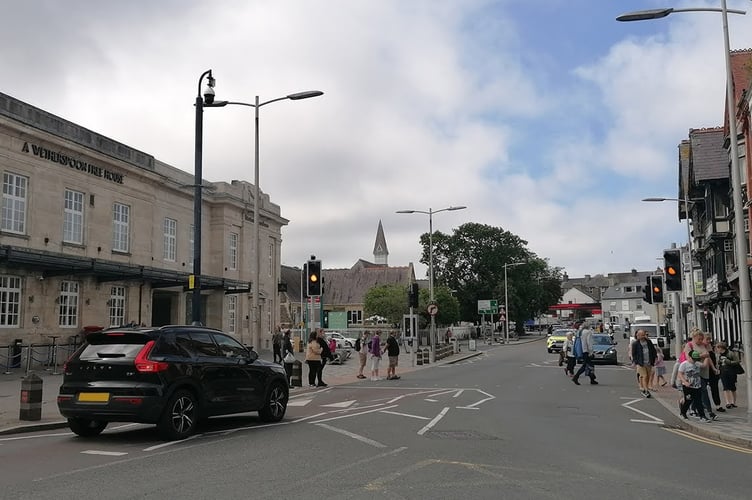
x,y
585,335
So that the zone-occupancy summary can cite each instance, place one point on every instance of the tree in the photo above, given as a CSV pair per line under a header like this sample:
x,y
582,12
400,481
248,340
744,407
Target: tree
x,y
471,262
449,306
389,301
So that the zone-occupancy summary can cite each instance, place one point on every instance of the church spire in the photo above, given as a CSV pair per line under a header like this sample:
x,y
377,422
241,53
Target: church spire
x,y
380,252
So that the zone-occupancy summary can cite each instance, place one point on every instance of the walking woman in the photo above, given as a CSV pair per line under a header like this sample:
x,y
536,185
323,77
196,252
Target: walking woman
x,y
313,358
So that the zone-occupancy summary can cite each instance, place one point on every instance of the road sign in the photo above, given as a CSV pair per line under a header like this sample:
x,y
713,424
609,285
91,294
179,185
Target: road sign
x,y
433,309
488,307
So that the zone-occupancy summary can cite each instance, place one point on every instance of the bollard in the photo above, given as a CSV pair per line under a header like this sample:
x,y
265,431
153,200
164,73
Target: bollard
x,y
426,356
296,380
419,356
31,398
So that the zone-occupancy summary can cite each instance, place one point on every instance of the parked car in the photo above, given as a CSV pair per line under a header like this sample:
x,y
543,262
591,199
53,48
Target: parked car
x,y
604,348
555,341
341,340
173,376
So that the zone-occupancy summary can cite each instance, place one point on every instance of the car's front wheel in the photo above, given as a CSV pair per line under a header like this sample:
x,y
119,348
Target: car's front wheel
x,y
180,417
85,427
275,405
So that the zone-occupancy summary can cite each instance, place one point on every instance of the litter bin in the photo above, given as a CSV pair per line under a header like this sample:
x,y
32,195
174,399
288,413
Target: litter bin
x,y
15,353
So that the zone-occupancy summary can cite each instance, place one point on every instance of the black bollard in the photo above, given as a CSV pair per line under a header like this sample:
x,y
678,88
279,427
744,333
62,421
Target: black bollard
x,y
296,380
31,398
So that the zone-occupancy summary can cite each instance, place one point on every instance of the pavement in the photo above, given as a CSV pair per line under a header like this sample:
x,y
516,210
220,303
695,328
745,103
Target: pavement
x,y
733,426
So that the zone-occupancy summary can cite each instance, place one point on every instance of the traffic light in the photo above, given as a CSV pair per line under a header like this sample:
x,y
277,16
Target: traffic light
x,y
647,294
672,270
412,295
656,286
313,278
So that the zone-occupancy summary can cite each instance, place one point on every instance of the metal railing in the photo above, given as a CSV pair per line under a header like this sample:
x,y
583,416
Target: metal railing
x,y
30,357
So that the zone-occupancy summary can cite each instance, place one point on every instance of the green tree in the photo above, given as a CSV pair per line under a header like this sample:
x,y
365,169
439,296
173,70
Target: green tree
x,y
471,262
389,301
449,306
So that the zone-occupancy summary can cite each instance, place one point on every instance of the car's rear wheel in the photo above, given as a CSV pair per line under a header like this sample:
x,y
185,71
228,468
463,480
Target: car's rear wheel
x,y
86,427
275,405
180,417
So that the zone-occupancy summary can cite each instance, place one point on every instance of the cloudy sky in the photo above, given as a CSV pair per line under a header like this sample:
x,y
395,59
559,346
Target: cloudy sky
x,y
544,117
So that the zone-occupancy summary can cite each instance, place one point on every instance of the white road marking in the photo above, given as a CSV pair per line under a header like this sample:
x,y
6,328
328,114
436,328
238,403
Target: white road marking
x,y
433,422
357,437
432,400
301,402
309,417
466,408
458,393
105,453
639,421
352,415
18,438
652,418
170,443
394,400
478,403
404,414
343,404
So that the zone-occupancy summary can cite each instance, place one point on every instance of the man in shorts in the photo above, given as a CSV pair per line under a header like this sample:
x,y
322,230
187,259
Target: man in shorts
x,y
392,350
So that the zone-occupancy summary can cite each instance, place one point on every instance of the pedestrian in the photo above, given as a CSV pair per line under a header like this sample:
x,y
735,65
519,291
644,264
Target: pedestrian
x,y
715,375
691,383
705,368
361,347
643,358
659,380
288,356
568,349
313,358
392,350
583,349
326,355
375,350
277,345
730,368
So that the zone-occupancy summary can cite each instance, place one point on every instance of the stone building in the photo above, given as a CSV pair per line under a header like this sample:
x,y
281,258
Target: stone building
x,y
96,233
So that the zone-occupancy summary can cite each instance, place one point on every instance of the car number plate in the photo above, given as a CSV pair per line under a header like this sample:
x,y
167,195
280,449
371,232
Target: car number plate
x,y
94,397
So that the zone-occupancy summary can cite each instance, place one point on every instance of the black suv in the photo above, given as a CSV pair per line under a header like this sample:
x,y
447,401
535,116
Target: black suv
x,y
172,376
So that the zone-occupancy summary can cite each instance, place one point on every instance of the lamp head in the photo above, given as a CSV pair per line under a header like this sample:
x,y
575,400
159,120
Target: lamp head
x,y
304,95
644,15
405,211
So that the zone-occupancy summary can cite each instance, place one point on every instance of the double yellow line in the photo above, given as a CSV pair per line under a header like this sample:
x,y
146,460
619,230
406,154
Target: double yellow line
x,y
712,442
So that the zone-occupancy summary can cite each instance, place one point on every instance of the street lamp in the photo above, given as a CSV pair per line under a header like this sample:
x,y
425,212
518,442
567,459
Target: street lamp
x,y
745,301
430,213
207,101
692,297
256,334
506,300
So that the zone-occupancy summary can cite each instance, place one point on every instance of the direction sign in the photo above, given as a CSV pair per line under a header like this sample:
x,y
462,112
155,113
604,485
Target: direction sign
x,y
433,309
488,306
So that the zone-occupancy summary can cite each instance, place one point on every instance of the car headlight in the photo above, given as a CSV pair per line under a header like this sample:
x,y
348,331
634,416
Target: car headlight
x,y
611,351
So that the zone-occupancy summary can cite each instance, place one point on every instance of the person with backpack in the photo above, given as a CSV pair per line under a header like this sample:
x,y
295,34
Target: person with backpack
x,y
361,348
583,347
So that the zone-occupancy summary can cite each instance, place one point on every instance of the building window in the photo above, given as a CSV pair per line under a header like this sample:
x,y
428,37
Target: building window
x,y
73,217
170,232
191,240
10,300
232,304
728,245
233,248
354,317
14,203
68,304
121,216
271,259
117,305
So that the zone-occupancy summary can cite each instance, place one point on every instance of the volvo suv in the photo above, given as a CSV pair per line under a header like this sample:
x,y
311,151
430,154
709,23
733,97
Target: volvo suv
x,y
173,376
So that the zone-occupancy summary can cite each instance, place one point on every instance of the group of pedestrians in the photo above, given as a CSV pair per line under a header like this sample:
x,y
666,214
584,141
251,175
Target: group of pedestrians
x,y
370,346
700,367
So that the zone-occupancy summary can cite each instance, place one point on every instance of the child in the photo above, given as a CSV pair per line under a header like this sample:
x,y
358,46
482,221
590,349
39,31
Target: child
x,y
660,370
568,350
689,376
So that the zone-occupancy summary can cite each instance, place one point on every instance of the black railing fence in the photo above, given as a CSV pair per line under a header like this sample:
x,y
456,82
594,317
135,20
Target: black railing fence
x,y
51,356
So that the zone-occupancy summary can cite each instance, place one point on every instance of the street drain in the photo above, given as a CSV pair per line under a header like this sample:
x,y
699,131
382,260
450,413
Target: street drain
x,y
459,435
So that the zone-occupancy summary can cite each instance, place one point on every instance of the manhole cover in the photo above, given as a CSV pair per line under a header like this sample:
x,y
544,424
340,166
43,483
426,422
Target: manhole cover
x,y
462,435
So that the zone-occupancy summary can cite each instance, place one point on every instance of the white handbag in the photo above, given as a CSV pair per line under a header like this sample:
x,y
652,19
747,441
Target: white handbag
x,y
289,358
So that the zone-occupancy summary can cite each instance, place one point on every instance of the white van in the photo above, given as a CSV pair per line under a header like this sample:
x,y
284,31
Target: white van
x,y
658,334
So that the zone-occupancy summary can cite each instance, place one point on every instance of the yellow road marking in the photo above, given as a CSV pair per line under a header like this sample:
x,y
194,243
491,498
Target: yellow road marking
x,y
712,442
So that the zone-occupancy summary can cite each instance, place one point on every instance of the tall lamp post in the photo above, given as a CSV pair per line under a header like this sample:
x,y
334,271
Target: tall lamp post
x,y
430,213
690,245
207,101
256,333
740,240
506,300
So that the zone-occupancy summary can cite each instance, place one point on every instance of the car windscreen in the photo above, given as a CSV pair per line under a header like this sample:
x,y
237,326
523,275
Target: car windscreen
x,y
561,333
601,340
